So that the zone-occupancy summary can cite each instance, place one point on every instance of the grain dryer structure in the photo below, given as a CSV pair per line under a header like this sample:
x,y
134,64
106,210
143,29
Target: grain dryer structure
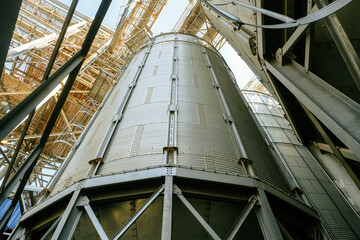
x,y
172,153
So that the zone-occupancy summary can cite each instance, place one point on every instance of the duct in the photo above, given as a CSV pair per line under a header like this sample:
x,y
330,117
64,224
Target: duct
x,y
317,95
44,41
295,156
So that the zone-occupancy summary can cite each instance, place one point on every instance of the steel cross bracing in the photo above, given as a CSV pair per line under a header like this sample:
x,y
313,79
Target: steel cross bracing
x,y
33,41
254,197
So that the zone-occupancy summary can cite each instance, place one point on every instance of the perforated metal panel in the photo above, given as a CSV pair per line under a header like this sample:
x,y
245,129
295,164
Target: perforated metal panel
x,y
339,218
171,112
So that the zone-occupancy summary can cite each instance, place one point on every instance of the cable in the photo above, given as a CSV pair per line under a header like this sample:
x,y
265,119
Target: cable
x,y
289,22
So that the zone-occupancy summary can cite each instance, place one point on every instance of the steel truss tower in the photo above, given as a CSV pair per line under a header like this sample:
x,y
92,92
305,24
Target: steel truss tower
x,y
172,153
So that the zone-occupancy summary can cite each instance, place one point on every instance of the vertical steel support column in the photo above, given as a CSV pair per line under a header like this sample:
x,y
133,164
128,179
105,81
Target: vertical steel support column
x,y
69,219
170,149
266,218
167,208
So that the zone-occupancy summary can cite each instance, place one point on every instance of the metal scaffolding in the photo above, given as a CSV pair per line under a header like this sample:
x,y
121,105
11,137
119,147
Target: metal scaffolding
x,y
51,47
194,21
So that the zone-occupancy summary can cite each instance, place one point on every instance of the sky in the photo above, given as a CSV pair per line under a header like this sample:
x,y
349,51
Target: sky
x,y
165,22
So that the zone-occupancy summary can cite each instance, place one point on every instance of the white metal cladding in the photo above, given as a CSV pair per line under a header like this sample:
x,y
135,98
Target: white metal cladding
x,y
203,138
307,173
78,165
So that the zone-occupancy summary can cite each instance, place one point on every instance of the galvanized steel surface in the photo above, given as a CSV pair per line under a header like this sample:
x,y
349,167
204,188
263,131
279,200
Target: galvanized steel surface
x,y
175,114
339,218
204,138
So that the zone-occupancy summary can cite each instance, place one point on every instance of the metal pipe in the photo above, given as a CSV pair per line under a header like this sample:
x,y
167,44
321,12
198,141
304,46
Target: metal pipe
x,y
272,14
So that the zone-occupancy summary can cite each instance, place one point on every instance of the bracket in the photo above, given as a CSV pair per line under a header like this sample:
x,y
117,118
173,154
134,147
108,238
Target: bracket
x,y
170,148
117,117
173,108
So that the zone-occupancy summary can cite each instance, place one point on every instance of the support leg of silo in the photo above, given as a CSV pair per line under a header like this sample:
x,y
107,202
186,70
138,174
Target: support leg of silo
x,y
167,209
266,218
69,220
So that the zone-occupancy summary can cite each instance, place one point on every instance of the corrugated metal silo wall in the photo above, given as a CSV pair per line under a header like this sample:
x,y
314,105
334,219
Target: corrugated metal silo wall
x,y
258,151
203,138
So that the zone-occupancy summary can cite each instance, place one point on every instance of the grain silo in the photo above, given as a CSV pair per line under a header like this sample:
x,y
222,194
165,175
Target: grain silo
x,y
172,153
